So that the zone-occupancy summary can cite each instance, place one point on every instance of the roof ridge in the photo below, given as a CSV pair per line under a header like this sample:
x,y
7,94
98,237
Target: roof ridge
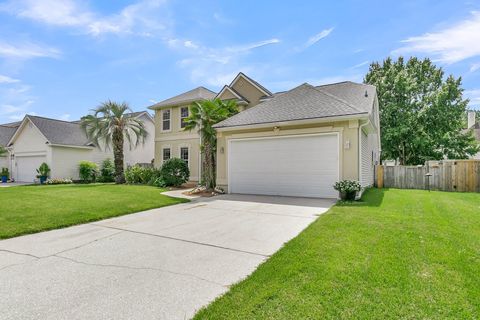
x,y
338,98
52,119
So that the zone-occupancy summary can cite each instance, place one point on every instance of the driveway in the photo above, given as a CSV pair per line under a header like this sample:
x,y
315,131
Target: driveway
x,y
158,264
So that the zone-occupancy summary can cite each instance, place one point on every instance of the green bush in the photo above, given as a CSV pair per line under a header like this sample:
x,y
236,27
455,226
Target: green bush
x,y
141,175
158,182
88,171
43,170
174,172
107,171
5,173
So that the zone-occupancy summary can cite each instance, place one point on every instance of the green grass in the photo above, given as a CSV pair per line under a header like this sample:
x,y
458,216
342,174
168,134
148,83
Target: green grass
x,y
401,254
29,209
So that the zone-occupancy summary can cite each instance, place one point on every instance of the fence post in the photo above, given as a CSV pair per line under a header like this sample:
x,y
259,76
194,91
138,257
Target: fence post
x,y
380,176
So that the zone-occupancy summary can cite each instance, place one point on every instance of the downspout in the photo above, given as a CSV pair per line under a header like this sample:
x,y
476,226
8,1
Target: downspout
x,y
360,154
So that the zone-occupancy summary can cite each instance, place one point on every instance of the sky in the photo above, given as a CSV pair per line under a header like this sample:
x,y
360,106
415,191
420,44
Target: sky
x,y
62,58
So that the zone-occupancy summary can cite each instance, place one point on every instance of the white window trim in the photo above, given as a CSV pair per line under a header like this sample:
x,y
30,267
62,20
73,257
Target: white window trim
x,y
164,148
189,153
161,120
181,115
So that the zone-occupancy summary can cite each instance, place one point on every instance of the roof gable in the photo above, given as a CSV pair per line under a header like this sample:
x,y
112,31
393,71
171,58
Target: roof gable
x,y
197,94
228,93
257,85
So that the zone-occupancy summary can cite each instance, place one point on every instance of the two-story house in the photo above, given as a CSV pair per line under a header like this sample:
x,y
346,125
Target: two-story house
x,y
171,139
297,142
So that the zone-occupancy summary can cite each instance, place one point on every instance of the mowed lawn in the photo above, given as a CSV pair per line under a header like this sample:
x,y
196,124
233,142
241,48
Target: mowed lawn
x,y
400,254
29,209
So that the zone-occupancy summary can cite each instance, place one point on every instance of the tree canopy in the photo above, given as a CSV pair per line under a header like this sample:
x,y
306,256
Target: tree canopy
x,y
422,112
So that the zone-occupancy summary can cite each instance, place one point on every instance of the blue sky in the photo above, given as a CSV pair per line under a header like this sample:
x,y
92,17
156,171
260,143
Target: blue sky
x,y
62,58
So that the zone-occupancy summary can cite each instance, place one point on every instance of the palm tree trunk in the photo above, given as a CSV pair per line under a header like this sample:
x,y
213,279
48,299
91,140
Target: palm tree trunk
x,y
117,139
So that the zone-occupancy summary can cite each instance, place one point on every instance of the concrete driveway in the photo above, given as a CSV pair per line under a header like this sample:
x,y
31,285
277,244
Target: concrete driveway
x,y
159,264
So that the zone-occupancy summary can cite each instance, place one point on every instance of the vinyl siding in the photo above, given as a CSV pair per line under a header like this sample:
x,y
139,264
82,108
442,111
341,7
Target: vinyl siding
x,y
367,161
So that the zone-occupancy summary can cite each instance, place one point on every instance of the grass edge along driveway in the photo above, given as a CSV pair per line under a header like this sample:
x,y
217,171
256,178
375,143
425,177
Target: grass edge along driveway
x,y
405,254
31,209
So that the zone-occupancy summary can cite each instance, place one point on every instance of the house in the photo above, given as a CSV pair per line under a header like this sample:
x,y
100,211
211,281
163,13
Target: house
x,y
474,125
6,133
62,145
293,143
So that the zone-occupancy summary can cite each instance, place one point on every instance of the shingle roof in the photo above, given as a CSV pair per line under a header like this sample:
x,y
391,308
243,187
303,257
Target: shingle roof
x,y
353,93
61,132
301,103
197,94
6,134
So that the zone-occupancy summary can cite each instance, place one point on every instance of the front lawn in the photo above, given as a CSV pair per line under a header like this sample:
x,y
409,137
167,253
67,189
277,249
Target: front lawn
x,y
29,209
401,254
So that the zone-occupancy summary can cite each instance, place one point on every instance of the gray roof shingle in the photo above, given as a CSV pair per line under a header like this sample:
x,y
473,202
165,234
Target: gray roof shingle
x,y
6,134
197,94
352,92
61,132
305,102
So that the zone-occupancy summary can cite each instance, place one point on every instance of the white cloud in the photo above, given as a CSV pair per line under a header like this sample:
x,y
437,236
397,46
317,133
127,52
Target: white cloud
x,y
474,96
215,66
361,64
140,18
7,79
319,36
27,50
453,44
474,67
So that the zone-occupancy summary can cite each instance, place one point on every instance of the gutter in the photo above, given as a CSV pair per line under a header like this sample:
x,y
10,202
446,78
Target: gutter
x,y
293,122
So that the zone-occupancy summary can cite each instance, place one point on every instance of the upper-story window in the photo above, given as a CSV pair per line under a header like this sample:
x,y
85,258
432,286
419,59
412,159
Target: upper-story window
x,y
166,120
184,113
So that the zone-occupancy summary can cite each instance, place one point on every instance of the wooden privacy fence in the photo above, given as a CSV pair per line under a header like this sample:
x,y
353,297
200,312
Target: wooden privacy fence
x,y
446,175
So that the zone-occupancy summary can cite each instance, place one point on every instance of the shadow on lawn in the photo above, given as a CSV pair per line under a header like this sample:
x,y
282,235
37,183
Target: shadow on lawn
x,y
372,197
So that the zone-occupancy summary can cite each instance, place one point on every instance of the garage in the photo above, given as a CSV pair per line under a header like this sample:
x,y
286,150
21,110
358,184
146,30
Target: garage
x,y
26,167
297,165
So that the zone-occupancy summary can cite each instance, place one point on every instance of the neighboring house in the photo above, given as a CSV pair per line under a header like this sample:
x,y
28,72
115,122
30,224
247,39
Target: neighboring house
x,y
293,143
474,125
6,133
62,145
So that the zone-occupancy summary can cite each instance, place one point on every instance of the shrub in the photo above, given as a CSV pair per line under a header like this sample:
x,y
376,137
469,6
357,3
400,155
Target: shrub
x,y
43,170
4,173
174,172
88,171
141,175
347,188
58,181
107,171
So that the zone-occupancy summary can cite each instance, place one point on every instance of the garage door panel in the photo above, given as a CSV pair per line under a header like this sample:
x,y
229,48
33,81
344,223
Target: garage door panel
x,y
291,166
27,166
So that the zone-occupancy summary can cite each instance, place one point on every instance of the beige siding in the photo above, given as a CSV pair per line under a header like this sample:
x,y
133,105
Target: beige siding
x,y
175,139
4,163
174,146
248,91
349,153
65,161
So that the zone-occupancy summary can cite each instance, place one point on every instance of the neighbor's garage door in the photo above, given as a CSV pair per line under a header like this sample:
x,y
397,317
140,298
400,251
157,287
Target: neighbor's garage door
x,y
27,167
303,166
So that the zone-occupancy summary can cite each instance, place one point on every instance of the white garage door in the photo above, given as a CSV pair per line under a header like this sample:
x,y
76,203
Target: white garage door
x,y
27,167
302,166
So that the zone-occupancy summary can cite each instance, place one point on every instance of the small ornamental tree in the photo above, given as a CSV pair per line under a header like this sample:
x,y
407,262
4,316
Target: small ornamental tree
x,y
174,172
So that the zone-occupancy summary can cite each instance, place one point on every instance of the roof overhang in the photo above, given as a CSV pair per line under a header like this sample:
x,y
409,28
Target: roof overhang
x,y
70,146
169,105
359,116
242,75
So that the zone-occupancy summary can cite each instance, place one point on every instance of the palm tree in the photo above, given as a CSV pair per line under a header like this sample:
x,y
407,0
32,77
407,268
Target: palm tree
x,y
203,115
110,124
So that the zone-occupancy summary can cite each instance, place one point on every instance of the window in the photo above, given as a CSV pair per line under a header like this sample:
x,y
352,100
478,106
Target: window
x,y
184,154
183,115
165,120
166,154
